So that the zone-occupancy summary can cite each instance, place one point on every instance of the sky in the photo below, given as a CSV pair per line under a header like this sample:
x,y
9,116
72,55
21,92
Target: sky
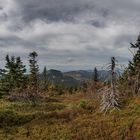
x,y
69,34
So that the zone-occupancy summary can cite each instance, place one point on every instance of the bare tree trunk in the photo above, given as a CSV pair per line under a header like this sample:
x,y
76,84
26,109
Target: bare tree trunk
x,y
110,95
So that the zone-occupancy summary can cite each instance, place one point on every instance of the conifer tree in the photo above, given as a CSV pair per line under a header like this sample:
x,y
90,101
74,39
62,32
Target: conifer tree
x,y
134,65
13,76
95,75
20,73
3,82
45,80
11,72
34,72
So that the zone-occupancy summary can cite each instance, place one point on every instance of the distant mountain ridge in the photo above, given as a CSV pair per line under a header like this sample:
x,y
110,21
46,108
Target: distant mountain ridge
x,y
73,78
87,74
58,78
81,75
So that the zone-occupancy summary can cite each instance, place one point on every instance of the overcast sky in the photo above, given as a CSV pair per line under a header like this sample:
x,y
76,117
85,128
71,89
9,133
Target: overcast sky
x,y
69,34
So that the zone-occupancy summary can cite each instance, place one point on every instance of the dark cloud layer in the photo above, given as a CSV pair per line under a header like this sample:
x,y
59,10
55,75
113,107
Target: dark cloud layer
x,y
53,10
69,34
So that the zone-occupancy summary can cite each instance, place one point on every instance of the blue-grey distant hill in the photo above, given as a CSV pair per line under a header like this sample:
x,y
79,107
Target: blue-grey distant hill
x,y
74,78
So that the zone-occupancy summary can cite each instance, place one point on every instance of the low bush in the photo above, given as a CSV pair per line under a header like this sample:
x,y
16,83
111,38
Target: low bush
x,y
9,118
83,104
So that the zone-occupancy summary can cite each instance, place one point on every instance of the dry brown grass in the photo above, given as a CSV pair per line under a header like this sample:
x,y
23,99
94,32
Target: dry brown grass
x,y
66,119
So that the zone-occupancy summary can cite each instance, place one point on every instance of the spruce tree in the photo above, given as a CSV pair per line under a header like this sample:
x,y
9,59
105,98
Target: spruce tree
x,y
13,76
45,80
20,73
4,83
95,75
134,64
10,76
34,72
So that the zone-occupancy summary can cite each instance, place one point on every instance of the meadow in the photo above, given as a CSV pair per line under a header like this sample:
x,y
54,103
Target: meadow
x,y
68,117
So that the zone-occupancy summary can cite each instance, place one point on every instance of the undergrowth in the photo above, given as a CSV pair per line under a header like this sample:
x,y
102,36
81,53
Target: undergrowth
x,y
71,117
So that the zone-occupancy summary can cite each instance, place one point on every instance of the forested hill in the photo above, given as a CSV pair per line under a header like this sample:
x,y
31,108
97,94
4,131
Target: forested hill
x,y
73,78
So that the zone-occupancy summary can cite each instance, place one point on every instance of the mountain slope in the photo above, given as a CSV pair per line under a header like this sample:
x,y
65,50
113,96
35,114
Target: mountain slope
x,y
58,78
74,78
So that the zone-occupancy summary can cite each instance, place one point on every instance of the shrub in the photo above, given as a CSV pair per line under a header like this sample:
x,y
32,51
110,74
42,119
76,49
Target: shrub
x,y
8,119
83,104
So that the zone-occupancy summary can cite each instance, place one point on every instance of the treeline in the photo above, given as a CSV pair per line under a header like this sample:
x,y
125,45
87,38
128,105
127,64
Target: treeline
x,y
14,77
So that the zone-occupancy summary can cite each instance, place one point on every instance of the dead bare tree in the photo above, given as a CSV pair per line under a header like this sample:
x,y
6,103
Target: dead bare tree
x,y
110,95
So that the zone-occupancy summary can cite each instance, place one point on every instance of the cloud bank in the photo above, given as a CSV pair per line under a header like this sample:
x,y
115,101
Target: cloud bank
x,y
69,34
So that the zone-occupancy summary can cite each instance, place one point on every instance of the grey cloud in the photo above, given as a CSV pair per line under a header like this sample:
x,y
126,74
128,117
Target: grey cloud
x,y
69,34
53,10
97,23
